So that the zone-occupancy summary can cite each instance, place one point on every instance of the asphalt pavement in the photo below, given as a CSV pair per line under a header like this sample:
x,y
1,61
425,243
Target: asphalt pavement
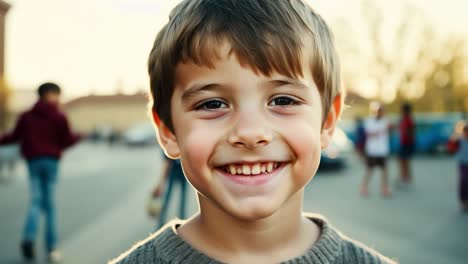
x,y
103,190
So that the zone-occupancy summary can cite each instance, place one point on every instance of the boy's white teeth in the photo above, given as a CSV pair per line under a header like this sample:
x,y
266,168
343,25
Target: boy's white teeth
x,y
269,167
253,169
232,169
256,169
245,169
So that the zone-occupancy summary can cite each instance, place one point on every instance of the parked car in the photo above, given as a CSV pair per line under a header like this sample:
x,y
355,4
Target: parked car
x,y
9,157
142,134
334,156
101,133
431,135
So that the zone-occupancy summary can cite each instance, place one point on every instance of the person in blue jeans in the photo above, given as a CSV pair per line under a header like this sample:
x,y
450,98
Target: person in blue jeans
x,y
172,175
43,173
43,133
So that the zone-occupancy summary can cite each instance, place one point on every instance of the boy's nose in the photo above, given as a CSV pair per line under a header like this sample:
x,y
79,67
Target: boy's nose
x,y
250,132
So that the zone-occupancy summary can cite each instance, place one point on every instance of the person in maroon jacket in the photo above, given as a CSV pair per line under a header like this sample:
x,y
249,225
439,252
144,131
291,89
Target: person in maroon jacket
x,y
406,144
43,133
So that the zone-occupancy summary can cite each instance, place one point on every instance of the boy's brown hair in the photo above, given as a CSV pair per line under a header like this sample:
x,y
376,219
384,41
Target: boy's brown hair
x,y
265,35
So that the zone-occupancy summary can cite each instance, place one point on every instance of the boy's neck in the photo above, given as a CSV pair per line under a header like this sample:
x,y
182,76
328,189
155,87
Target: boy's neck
x,y
285,234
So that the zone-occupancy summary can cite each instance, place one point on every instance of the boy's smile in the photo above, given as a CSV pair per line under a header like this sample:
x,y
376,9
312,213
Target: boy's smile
x,y
247,142
247,174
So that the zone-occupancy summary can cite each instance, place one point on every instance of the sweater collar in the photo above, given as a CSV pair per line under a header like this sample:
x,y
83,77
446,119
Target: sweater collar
x,y
324,250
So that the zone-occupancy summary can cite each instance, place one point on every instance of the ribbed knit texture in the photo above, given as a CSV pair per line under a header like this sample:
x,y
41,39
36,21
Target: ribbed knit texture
x,y
165,246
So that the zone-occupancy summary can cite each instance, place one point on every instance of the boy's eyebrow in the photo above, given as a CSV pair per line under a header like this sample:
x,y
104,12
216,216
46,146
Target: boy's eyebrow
x,y
197,88
286,81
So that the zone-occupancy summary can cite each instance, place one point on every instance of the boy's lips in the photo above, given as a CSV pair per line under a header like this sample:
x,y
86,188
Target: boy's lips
x,y
250,169
251,174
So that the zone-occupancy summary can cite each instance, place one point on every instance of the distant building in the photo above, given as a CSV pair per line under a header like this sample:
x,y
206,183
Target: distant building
x,y
118,112
86,113
4,7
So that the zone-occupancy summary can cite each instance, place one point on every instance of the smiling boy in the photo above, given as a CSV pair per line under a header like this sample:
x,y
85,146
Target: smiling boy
x,y
246,93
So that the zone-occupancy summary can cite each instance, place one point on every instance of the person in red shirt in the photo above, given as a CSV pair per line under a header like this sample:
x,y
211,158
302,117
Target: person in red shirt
x,y
43,133
406,143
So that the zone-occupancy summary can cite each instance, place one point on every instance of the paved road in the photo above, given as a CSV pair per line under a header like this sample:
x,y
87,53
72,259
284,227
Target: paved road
x,y
102,192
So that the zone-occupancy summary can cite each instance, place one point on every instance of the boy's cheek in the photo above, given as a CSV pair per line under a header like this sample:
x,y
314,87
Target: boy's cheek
x,y
197,147
305,142
196,150
302,133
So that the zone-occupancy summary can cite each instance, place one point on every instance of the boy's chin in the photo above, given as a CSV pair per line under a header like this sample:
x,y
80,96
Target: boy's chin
x,y
251,216
252,213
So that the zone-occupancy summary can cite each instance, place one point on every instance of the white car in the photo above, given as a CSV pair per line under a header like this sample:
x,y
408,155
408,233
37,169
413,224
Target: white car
x,y
142,134
9,157
334,156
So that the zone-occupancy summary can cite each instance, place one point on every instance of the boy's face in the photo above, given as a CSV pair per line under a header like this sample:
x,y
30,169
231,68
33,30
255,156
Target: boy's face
x,y
247,142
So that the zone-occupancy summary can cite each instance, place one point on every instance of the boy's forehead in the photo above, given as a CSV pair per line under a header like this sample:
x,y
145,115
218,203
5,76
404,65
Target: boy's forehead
x,y
224,69
215,62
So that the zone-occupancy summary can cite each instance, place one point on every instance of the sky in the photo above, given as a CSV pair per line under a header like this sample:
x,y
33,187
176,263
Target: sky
x,y
101,46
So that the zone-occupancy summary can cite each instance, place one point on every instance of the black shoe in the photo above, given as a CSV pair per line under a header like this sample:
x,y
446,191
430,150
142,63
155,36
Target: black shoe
x,y
27,249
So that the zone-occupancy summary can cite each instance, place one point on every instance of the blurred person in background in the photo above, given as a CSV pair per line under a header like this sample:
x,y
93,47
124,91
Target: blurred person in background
x,y
360,140
377,148
407,131
458,143
43,133
172,174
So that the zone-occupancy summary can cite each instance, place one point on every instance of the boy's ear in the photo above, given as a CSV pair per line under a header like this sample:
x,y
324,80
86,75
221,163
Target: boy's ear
x,y
332,118
156,118
166,138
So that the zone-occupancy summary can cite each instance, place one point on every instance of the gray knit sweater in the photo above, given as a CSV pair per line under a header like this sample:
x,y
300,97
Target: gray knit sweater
x,y
165,246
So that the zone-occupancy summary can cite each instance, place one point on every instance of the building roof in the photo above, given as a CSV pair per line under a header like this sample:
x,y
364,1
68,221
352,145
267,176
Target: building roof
x,y
113,99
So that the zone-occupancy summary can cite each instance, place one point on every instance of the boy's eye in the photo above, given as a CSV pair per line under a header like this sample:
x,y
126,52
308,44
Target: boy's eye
x,y
211,105
283,101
